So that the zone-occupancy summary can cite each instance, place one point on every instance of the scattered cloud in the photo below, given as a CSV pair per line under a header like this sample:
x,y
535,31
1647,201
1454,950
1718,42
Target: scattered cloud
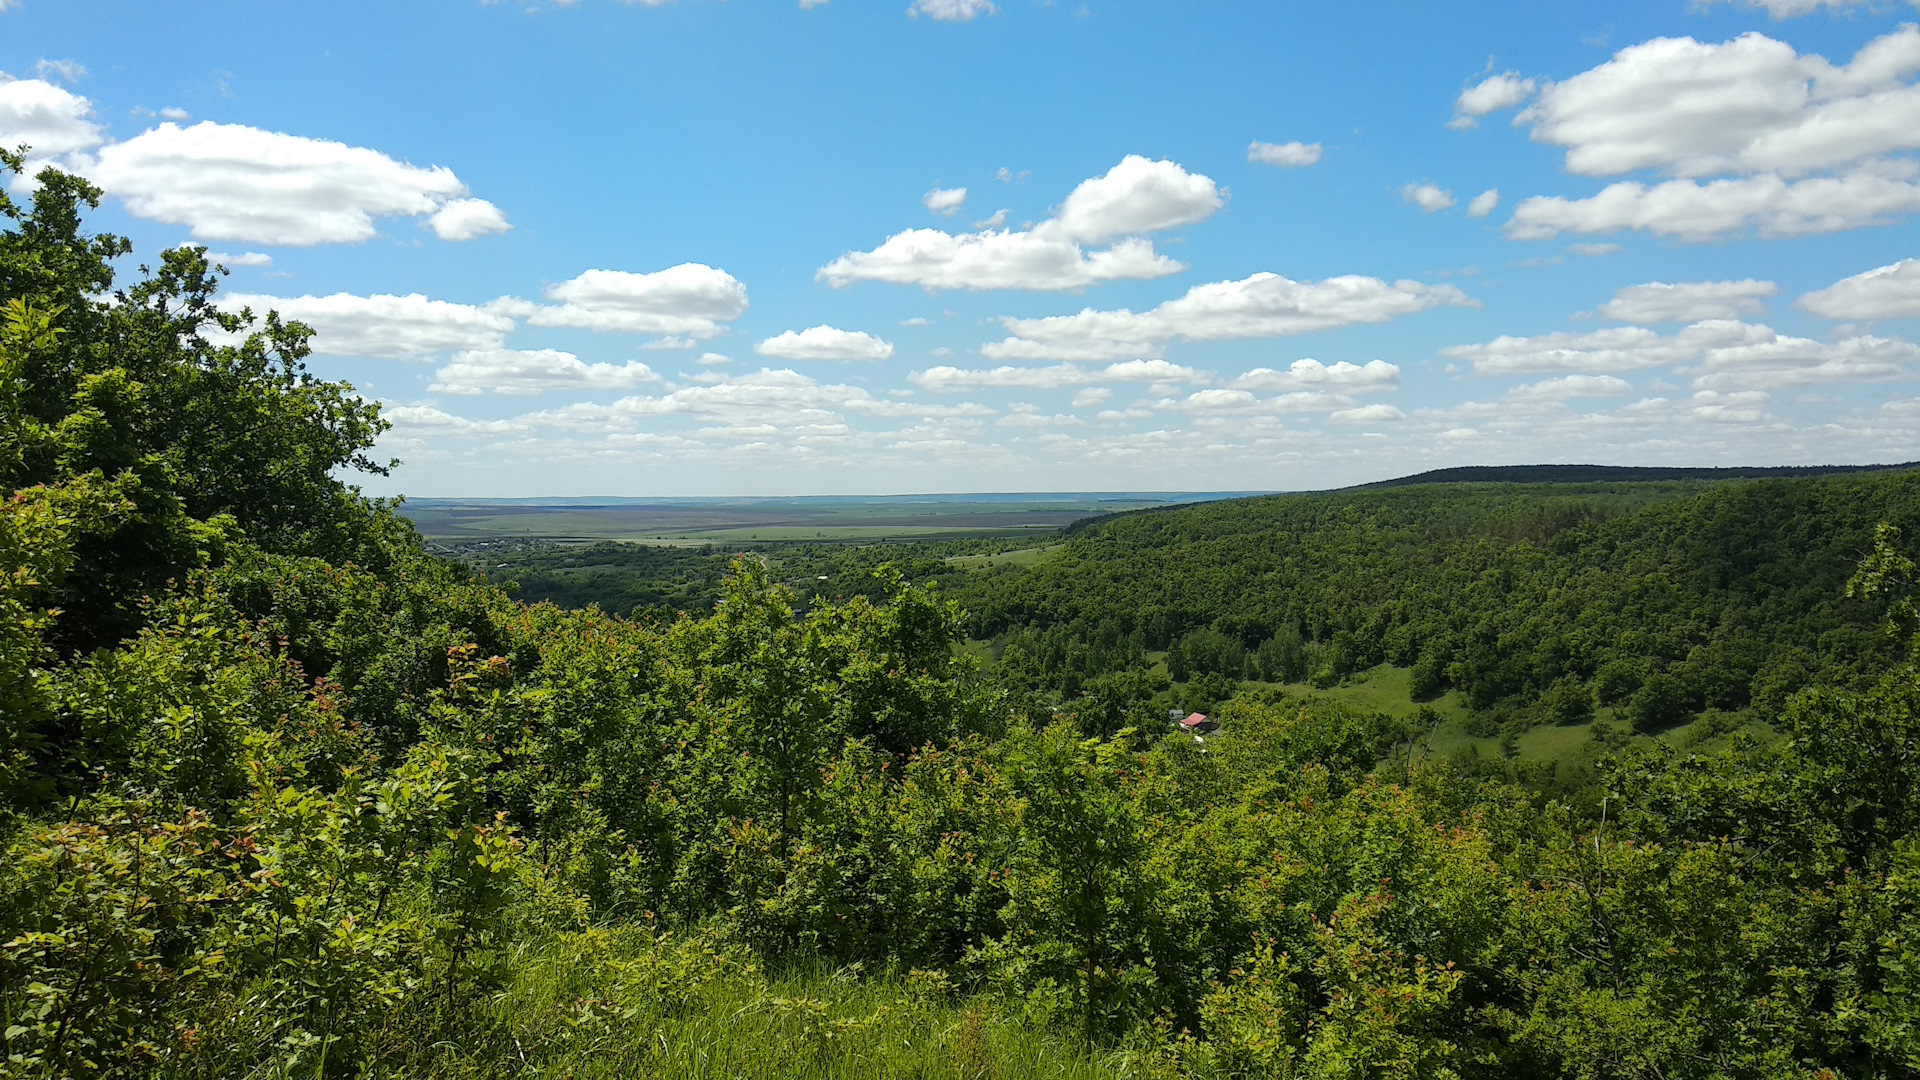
x,y
231,182
517,372
1225,402
713,359
1693,211
1688,302
1368,414
1264,305
1793,9
1057,377
825,343
49,119
1885,292
1723,354
1747,105
408,327
1373,375
1776,361
407,418
944,201
753,406
71,71
917,320
1569,387
1744,407
246,259
1491,94
1091,396
1623,348
993,220
951,10
1289,155
691,299
1135,197
1484,203
464,219
1427,197
1592,250
1764,119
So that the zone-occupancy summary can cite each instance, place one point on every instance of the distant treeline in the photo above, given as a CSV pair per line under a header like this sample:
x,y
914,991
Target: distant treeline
x,y
1617,474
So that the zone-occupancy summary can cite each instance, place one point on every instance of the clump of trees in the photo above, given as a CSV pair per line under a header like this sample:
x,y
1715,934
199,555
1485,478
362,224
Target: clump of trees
x,y
280,793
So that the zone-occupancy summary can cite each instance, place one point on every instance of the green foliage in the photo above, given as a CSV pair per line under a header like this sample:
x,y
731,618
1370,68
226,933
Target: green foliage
x,y
1500,591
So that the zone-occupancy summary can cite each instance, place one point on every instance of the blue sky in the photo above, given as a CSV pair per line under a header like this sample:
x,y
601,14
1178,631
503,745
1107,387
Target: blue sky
x,y
721,247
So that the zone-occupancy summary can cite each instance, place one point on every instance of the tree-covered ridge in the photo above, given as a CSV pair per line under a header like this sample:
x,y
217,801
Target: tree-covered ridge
x,y
1722,593
281,794
1618,474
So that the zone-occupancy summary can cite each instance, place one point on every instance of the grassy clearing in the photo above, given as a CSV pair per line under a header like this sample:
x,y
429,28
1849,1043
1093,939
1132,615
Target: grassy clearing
x,y
627,1004
1386,689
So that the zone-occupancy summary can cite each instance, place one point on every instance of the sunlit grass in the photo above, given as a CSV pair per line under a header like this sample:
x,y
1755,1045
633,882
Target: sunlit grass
x,y
617,1011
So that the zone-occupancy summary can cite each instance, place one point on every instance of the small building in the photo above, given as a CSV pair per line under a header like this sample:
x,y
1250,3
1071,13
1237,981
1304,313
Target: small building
x,y
1197,722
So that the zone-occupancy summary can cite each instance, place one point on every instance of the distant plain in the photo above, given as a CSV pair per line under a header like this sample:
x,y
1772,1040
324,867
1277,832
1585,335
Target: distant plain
x,y
797,518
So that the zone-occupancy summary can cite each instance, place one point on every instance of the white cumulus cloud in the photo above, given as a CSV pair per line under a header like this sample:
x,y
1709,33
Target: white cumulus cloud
x,y
1427,197
395,327
1264,305
522,372
1724,354
1056,377
1368,414
1779,361
1688,302
464,219
825,343
1287,155
1691,210
945,201
1491,94
245,258
1748,105
51,120
1799,144
1373,375
1885,292
407,419
1135,197
1484,203
1622,348
951,10
691,300
1793,9
1569,387
232,182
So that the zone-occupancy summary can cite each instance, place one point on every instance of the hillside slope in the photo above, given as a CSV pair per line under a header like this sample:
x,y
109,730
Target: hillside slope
x,y
1735,590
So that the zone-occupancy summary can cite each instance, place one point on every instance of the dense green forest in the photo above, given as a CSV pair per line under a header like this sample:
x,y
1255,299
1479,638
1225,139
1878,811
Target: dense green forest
x,y
283,793
1532,601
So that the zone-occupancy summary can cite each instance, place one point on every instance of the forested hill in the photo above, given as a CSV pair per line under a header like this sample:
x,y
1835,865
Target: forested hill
x,y
1586,474
1715,593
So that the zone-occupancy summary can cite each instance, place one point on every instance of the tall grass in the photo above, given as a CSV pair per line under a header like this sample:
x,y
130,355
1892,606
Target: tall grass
x,y
632,1003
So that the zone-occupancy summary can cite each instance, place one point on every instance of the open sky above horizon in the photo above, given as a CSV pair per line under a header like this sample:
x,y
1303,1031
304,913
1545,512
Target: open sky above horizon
x,y
781,247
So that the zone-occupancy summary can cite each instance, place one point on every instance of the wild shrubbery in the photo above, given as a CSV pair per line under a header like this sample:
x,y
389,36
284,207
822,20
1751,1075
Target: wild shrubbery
x,y
282,795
